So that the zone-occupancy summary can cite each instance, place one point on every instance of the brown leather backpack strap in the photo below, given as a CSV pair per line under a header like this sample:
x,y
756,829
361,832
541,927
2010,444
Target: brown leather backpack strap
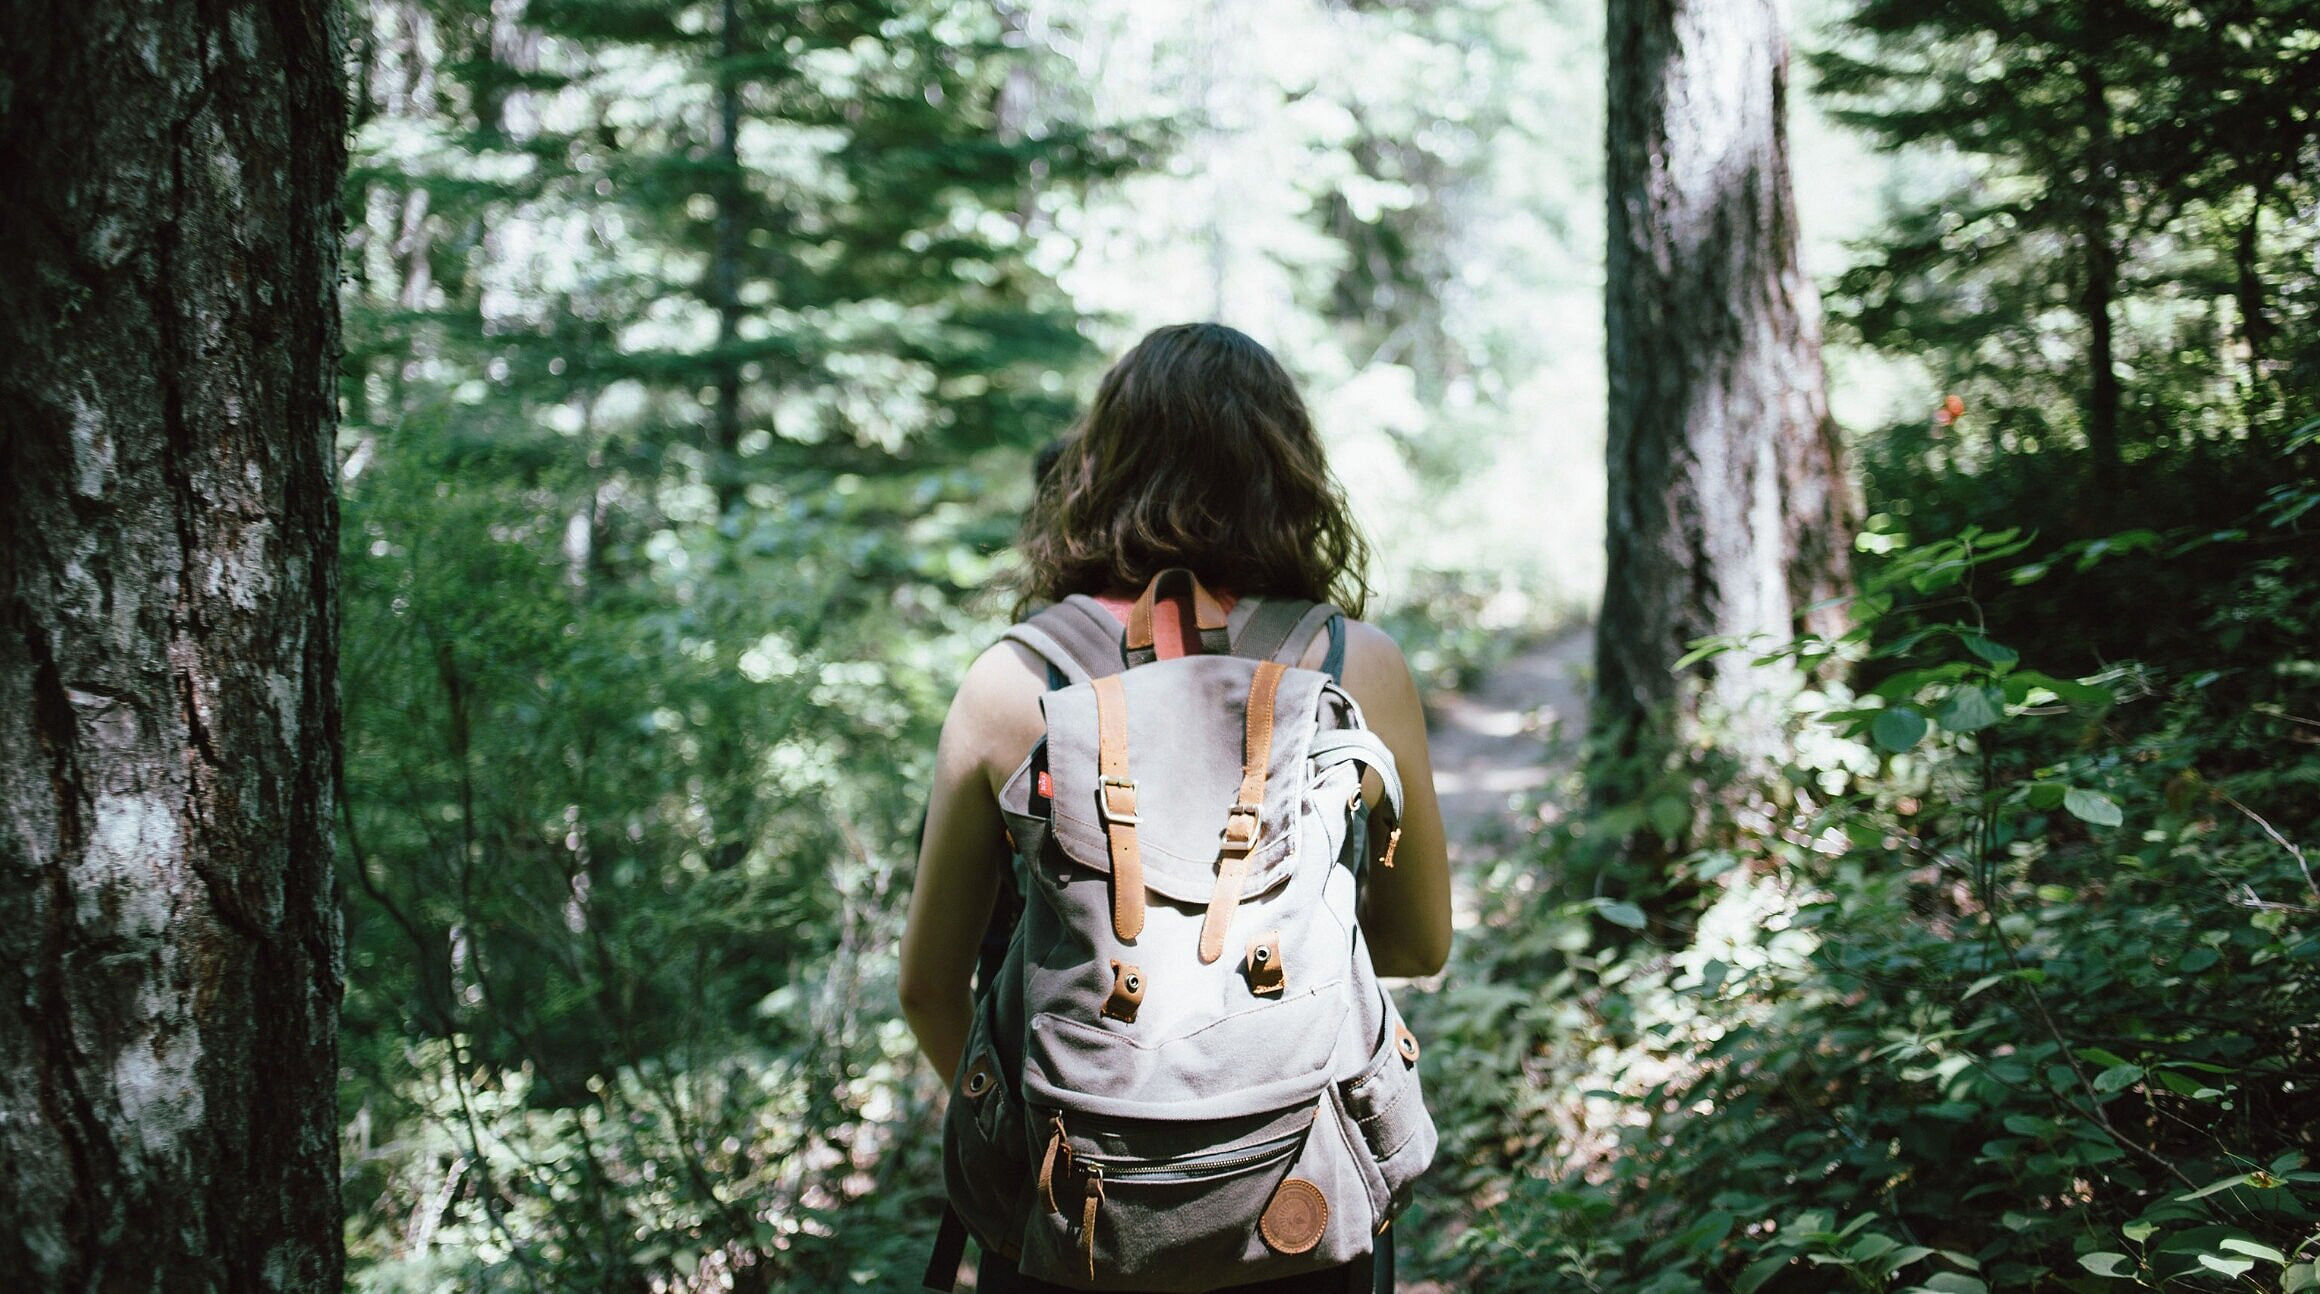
x,y
1245,821
1208,616
1116,799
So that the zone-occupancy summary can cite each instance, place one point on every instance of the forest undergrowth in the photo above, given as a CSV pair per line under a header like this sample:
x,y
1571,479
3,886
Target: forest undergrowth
x,y
2006,981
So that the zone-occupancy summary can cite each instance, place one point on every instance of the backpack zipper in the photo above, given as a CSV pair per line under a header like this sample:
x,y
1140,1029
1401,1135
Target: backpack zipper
x,y
1193,1168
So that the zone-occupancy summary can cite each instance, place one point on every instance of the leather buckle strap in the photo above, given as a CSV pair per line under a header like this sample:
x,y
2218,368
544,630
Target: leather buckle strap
x,y
1232,867
1116,802
1208,618
1242,824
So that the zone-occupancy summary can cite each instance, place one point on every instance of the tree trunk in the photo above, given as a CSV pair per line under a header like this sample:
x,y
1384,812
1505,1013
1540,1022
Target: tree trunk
x,y
1730,513
725,259
2101,272
169,955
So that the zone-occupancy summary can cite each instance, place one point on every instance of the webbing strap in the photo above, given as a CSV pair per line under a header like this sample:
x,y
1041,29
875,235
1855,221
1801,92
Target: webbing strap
x,y
950,1249
1116,797
1334,746
1266,628
1076,636
1245,820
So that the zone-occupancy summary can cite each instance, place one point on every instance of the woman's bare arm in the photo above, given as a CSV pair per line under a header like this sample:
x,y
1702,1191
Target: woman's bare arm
x,y
964,849
1406,909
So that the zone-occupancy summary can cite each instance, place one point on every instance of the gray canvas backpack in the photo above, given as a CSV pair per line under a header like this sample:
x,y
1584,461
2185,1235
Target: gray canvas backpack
x,y
1183,1072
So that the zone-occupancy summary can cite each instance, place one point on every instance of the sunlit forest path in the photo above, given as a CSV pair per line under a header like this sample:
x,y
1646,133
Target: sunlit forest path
x,y
1513,731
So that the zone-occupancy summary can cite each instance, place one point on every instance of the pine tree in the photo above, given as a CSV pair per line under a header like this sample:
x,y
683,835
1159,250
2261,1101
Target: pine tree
x,y
2128,152
695,350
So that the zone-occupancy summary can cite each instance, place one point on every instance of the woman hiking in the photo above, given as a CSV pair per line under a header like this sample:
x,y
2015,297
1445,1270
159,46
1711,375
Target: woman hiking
x,y
1189,520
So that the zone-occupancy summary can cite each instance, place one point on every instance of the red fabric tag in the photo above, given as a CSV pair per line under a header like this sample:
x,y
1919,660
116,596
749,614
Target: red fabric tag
x,y
1046,785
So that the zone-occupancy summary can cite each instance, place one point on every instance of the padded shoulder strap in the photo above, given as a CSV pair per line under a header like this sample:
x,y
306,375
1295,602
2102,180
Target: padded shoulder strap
x,y
1261,626
1279,629
1076,636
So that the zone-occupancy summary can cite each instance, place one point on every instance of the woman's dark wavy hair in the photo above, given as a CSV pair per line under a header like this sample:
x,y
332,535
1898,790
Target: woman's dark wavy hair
x,y
1197,452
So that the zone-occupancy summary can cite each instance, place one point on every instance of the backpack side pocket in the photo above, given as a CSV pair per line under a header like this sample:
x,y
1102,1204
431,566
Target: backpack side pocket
x,y
1387,1111
986,1158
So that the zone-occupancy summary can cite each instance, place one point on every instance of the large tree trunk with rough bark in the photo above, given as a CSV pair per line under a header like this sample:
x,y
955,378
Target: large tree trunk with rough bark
x,y
1730,513
169,958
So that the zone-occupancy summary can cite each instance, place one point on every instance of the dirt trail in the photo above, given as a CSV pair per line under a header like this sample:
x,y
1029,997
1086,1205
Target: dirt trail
x,y
1511,733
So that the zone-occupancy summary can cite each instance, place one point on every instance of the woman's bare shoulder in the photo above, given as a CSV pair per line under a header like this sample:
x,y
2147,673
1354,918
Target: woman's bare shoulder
x,y
996,712
1375,670
1371,655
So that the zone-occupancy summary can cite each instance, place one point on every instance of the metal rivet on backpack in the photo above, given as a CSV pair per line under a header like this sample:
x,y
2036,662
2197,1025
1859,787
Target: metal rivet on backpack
x,y
978,1083
1406,1043
1127,993
1267,976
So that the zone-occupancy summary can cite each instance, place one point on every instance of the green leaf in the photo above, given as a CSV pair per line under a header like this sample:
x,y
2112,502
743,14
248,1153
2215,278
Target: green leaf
x,y
2241,1245
2299,1277
1898,728
2092,806
1621,913
1954,1283
2234,1267
2139,1231
1970,709
2118,1078
2001,656
2236,1179
2045,796
1702,649
2198,959
2107,1264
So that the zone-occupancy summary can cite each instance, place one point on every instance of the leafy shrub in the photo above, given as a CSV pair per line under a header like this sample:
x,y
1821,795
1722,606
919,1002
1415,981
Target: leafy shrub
x,y
2013,988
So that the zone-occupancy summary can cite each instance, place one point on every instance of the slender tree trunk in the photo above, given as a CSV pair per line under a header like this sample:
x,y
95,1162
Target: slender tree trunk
x,y
725,257
2101,271
169,946
2255,319
1730,513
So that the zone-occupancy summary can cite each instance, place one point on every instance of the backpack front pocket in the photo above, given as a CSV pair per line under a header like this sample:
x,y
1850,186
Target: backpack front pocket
x,y
1159,1206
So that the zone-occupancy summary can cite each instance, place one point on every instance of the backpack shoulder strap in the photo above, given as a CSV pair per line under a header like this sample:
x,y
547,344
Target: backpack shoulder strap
x,y
1076,637
1283,629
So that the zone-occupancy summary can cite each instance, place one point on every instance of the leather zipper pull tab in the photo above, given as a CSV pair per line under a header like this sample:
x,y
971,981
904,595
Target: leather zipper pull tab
x,y
1056,1146
1087,1215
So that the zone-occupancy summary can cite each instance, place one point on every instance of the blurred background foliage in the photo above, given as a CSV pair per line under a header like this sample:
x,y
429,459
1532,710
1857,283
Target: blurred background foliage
x,y
695,354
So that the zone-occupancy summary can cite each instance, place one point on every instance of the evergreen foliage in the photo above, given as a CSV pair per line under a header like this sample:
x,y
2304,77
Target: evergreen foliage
x,y
694,357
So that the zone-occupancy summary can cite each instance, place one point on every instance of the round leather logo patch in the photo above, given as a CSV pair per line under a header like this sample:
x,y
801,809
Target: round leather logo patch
x,y
1294,1221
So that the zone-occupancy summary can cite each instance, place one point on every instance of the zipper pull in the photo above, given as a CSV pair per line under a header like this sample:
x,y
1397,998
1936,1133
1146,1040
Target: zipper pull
x,y
1058,1146
1087,1216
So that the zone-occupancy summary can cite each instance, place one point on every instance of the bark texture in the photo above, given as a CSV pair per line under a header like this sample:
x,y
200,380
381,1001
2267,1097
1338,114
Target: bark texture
x,y
169,958
1730,511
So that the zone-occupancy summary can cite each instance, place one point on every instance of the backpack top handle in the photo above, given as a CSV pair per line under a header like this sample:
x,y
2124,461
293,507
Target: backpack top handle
x,y
1208,616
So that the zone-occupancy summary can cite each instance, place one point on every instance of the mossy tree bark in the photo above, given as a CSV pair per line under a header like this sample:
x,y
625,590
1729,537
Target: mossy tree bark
x,y
1730,512
169,955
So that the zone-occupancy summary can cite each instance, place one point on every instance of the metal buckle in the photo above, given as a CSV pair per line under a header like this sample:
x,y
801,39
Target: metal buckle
x,y
1125,817
1255,813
